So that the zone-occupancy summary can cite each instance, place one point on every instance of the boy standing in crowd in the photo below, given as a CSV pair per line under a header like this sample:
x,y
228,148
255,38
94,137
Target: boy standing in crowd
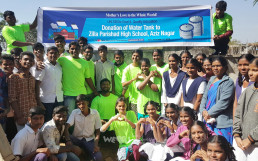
x,y
26,143
82,41
38,51
7,64
60,44
16,52
50,82
22,90
130,76
75,72
14,34
223,29
120,65
104,68
87,54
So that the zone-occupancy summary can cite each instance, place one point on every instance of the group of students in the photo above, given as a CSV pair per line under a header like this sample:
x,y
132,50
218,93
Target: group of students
x,y
157,112
54,105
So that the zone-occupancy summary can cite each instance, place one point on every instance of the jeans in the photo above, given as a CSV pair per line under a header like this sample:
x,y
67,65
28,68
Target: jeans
x,y
69,101
67,156
87,146
49,109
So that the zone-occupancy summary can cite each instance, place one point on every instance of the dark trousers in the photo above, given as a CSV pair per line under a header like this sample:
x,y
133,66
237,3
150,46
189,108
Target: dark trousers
x,y
88,146
10,129
221,46
49,109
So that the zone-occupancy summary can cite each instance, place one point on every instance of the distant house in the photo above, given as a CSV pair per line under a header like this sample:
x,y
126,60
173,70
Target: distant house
x,y
66,34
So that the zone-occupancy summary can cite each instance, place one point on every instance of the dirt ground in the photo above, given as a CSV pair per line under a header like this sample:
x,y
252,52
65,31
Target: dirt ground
x,y
108,150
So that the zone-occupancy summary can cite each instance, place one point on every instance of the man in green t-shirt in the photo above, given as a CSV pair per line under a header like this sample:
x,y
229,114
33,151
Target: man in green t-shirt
x,y
75,73
223,29
105,103
130,76
120,65
87,55
14,34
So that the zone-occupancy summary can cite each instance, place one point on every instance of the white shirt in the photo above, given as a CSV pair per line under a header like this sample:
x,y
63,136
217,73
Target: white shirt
x,y
52,136
103,70
164,98
26,141
200,90
84,127
51,83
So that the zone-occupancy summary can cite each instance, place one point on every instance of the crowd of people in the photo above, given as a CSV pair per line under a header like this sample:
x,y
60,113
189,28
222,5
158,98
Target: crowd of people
x,y
55,106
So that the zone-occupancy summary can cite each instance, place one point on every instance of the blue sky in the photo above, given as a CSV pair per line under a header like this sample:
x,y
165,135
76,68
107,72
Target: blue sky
x,y
245,21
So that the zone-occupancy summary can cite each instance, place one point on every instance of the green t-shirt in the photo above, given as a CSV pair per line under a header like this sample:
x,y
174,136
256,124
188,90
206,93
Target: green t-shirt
x,y
124,132
222,25
15,33
129,73
161,70
118,79
74,73
105,105
92,76
147,94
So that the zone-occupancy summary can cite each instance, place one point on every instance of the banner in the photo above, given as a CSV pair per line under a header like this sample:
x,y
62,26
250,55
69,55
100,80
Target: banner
x,y
128,27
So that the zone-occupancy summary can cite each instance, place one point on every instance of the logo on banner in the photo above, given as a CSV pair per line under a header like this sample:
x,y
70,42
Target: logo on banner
x,y
60,28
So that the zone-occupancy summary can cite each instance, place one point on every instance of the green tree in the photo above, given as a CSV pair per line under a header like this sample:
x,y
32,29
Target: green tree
x,y
2,24
255,1
31,36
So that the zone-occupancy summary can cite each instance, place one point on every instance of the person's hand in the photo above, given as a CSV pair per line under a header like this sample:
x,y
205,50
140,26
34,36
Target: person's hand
x,y
160,122
156,74
69,142
96,93
53,158
152,74
124,118
201,154
96,148
205,115
76,150
239,142
40,65
216,37
103,122
151,121
142,120
184,134
137,76
115,118
246,143
43,150
167,123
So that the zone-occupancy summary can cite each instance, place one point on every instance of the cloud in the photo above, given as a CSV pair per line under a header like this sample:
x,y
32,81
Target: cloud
x,y
54,26
74,26
61,23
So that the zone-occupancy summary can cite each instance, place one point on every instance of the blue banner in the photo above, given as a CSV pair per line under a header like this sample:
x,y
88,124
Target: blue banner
x,y
130,27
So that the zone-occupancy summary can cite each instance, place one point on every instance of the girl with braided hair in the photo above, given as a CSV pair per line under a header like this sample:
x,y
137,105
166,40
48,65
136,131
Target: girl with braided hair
x,y
199,135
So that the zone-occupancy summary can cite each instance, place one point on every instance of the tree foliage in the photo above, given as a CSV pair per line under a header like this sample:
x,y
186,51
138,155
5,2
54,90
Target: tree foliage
x,y
255,1
2,24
